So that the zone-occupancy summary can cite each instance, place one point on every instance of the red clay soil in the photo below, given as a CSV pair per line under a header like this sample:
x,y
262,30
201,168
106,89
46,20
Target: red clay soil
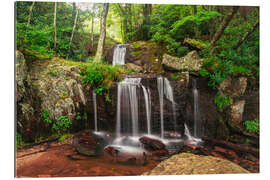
x,y
54,162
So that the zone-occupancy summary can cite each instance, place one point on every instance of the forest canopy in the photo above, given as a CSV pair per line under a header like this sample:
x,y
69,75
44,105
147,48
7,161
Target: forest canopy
x,y
227,37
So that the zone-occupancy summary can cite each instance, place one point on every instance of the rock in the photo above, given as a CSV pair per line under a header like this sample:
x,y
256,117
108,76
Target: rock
x,y
235,115
89,145
133,67
152,144
21,73
186,163
190,62
160,153
233,87
126,154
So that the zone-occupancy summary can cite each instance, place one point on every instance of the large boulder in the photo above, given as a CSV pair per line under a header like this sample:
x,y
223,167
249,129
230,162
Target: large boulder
x,y
185,163
190,62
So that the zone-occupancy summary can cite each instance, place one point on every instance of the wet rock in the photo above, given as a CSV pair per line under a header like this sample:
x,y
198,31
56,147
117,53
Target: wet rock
x,y
125,154
89,144
160,153
190,62
234,87
152,144
21,73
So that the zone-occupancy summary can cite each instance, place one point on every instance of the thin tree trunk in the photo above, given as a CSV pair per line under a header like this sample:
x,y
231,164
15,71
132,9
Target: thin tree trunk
x,y
30,13
102,37
240,41
222,27
92,33
54,24
73,30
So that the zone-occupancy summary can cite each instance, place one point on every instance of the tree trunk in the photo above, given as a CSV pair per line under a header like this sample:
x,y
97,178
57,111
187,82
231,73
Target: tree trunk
x,y
102,37
73,30
92,32
222,27
240,41
54,24
147,10
30,13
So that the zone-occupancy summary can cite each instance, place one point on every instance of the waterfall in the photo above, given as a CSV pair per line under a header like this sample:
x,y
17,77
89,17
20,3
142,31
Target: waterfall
x,y
196,113
95,109
168,92
147,99
161,92
191,139
119,54
127,101
165,88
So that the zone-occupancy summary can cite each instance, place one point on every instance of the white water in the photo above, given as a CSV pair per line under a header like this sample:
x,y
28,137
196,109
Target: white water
x,y
192,140
128,102
198,131
165,88
161,92
95,109
119,54
168,92
147,108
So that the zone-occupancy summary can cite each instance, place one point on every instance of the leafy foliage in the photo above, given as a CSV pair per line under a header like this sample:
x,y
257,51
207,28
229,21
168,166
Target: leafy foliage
x,y
222,101
46,116
252,126
62,124
101,76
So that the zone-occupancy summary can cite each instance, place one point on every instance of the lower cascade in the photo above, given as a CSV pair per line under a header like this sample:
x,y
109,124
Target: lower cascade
x,y
135,124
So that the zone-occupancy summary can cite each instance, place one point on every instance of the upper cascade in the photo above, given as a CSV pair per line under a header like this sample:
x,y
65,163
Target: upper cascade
x,y
119,54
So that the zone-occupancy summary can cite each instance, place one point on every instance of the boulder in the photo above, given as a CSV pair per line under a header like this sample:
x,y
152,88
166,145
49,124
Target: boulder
x,y
190,62
89,144
235,115
186,163
125,154
152,144
233,87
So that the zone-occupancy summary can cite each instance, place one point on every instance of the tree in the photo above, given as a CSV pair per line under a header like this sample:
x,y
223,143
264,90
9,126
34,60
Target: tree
x,y
73,29
222,27
101,41
54,24
30,13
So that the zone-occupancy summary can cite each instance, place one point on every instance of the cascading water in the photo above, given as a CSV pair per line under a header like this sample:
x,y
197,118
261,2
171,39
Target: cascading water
x,y
147,99
196,113
119,54
95,110
128,103
165,88
161,92
168,92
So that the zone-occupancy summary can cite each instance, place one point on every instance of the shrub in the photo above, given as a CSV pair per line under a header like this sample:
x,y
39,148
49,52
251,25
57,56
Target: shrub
x,y
62,124
252,126
222,101
101,76
46,116
182,51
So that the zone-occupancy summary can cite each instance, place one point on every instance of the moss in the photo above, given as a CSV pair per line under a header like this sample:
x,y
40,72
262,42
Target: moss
x,y
65,137
136,45
136,53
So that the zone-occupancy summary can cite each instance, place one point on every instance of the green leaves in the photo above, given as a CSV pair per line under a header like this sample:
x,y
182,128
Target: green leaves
x,y
252,126
62,124
222,101
46,116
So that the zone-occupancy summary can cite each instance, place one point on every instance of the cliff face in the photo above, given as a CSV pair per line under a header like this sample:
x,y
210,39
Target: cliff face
x,y
51,88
